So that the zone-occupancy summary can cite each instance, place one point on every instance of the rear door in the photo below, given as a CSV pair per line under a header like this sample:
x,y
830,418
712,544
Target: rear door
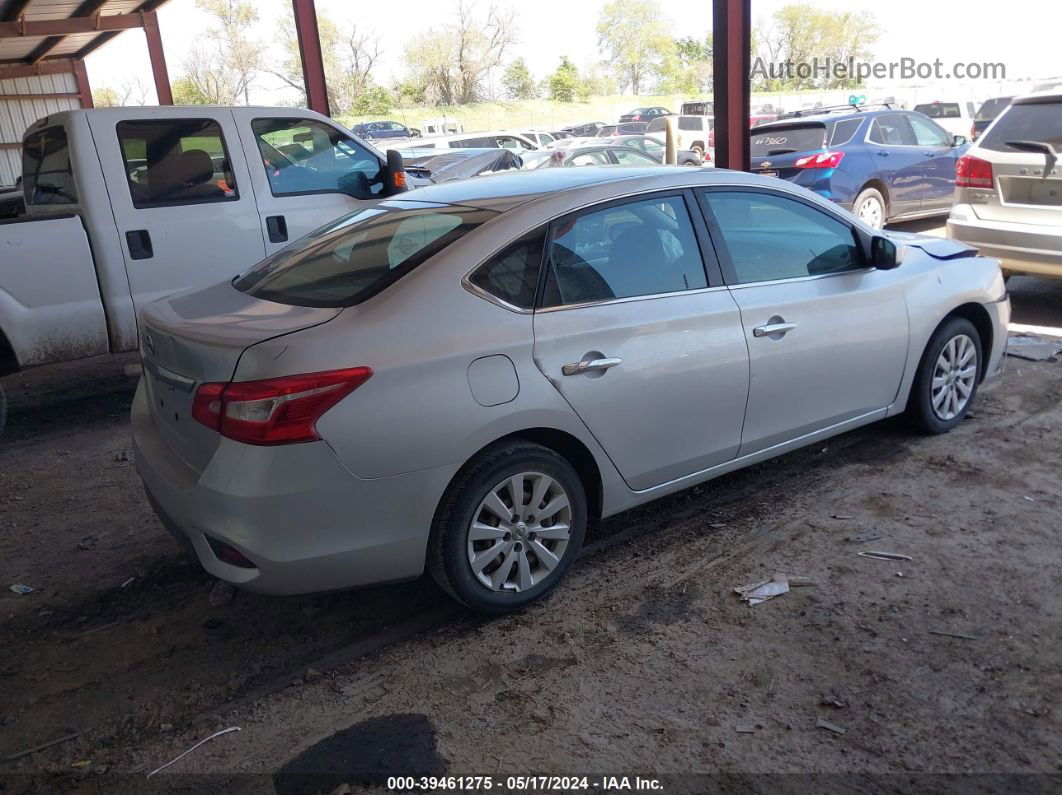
x,y
645,348
899,160
182,200
305,171
826,335
939,156
1027,184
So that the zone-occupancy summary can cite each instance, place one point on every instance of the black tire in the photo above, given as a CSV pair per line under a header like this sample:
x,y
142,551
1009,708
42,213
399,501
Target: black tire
x,y
3,410
448,547
920,410
875,194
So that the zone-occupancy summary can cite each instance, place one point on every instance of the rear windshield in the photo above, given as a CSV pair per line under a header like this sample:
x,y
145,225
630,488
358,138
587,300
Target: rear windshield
x,y
357,256
783,140
992,108
940,110
1040,121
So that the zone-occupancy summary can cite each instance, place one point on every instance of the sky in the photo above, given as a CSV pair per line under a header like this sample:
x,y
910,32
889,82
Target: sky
x,y
973,30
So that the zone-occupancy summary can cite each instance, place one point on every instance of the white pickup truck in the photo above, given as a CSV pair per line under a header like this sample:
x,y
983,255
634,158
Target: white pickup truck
x,y
125,205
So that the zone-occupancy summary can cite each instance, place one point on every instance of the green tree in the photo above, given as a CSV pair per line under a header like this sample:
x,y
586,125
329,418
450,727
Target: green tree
x,y
373,101
106,97
185,92
227,59
563,84
635,37
518,81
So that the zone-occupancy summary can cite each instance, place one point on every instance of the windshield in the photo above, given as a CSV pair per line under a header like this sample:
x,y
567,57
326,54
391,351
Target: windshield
x,y
784,140
1040,122
355,257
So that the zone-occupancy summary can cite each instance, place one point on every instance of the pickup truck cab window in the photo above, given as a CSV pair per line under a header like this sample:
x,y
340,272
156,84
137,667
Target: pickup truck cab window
x,y
46,174
176,161
303,156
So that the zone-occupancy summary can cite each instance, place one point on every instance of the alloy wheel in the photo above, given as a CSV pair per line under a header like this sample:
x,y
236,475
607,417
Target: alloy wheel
x,y
519,532
954,376
871,212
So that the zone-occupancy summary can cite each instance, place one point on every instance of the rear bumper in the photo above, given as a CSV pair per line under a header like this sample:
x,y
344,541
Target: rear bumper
x,y
304,521
1021,248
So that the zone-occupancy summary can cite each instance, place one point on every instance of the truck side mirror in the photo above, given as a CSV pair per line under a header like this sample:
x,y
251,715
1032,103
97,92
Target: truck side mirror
x,y
394,174
958,140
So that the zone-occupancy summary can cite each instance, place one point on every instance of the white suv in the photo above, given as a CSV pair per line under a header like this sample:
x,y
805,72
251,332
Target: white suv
x,y
1008,200
955,117
694,132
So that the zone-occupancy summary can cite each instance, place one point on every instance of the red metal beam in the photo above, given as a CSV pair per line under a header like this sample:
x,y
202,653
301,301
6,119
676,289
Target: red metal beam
x,y
63,27
310,51
158,58
83,87
14,11
731,54
21,69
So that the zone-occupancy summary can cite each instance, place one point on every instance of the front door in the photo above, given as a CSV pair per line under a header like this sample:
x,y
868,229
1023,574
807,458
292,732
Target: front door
x,y
305,171
647,352
182,199
939,158
827,335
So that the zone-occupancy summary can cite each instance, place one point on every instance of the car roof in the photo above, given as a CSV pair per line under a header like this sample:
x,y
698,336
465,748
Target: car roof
x,y
1051,95
507,190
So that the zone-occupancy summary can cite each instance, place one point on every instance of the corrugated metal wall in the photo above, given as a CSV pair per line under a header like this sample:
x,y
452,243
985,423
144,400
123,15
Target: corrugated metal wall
x,y
16,115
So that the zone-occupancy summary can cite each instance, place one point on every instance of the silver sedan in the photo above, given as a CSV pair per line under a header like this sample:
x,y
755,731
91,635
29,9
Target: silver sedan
x,y
458,379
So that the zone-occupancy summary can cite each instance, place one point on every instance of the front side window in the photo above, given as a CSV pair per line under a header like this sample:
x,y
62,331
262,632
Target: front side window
x,y
512,275
357,256
891,129
772,237
176,161
47,177
304,156
927,133
638,248
626,157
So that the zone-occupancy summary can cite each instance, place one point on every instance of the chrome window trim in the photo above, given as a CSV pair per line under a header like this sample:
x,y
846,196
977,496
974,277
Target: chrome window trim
x,y
479,292
808,278
630,299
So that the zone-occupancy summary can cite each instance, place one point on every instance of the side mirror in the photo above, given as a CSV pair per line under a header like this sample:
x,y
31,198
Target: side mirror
x,y
356,185
393,174
885,254
958,140
414,132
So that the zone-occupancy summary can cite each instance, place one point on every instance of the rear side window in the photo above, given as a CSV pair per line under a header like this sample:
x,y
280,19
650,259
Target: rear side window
x,y
843,131
940,110
176,161
512,275
304,156
783,140
1038,121
357,256
46,174
891,129
644,247
690,123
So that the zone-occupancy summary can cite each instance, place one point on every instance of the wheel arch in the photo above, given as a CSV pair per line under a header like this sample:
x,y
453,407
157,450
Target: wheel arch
x,y
881,187
978,315
8,358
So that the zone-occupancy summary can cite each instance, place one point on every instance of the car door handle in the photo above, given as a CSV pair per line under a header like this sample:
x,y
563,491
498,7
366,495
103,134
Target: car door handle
x,y
770,329
882,153
277,228
928,154
139,244
590,366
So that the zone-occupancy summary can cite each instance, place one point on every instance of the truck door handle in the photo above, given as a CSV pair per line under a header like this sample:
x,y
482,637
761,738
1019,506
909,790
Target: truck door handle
x,y
771,329
590,366
277,228
139,242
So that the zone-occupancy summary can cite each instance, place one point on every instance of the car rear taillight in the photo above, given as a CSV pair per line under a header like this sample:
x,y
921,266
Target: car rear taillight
x,y
821,160
274,410
973,172
711,139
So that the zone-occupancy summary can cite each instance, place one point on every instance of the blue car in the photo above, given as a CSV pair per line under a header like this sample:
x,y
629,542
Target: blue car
x,y
883,165
379,130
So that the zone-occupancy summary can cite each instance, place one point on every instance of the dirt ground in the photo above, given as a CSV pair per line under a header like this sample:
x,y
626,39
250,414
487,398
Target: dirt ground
x,y
645,662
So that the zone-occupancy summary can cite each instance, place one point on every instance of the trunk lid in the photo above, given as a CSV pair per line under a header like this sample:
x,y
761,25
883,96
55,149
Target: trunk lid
x,y
195,337
775,148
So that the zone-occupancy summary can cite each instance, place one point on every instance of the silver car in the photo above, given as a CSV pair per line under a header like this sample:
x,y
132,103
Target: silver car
x,y
460,378
1009,188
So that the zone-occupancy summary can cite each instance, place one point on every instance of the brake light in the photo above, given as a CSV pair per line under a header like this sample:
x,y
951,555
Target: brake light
x,y
274,410
711,139
821,160
973,172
